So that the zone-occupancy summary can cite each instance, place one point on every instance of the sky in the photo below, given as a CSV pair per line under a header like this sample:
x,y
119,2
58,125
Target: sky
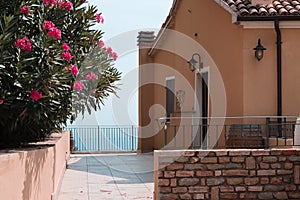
x,y
123,20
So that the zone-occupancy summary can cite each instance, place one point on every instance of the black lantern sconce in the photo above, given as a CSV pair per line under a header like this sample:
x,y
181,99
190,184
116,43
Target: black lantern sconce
x,y
193,62
259,51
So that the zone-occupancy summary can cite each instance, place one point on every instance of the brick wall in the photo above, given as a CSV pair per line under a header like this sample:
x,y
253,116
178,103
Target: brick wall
x,y
227,174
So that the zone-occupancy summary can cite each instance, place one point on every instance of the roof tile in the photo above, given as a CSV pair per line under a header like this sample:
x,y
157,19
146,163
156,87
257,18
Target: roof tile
x,y
277,7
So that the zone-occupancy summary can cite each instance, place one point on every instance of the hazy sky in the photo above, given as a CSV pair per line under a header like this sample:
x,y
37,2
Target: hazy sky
x,y
123,19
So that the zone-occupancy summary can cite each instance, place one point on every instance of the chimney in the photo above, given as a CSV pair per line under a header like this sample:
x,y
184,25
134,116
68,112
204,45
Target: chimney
x,y
261,2
146,38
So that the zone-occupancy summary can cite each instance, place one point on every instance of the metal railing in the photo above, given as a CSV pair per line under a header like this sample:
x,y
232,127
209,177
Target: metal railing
x,y
230,132
104,138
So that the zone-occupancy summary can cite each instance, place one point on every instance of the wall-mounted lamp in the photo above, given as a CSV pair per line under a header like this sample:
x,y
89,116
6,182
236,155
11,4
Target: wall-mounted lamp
x,y
259,51
193,62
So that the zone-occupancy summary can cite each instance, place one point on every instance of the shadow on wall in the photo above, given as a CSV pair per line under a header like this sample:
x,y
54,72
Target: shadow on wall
x,y
35,164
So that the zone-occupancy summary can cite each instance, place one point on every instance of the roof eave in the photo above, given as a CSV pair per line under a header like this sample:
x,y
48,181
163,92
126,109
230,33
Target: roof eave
x,y
269,18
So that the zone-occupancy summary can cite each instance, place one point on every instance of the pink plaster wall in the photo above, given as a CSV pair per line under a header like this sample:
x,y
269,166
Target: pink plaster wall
x,y
33,173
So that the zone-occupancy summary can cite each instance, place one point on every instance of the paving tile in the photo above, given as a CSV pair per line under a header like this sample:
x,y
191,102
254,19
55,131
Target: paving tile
x,y
108,176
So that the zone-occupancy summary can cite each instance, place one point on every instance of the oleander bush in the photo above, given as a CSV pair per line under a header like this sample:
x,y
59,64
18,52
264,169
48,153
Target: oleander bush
x,y
53,65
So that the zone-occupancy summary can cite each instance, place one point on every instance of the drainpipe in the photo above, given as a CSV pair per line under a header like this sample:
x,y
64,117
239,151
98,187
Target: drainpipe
x,y
279,70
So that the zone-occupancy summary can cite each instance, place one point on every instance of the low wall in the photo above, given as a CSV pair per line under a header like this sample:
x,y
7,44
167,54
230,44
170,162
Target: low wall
x,y
34,173
227,174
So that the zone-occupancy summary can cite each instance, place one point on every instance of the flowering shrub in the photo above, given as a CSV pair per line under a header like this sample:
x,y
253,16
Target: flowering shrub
x,y
53,65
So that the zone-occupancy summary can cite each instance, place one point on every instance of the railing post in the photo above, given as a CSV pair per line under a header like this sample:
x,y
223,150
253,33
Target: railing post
x,y
132,136
99,138
267,132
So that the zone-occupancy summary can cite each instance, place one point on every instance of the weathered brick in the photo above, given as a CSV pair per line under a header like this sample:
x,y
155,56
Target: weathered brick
x,y
239,153
184,173
233,166
221,153
264,165
258,159
182,159
203,181
218,173
250,163
288,152
163,182
228,195
266,172
198,189
264,181
276,166
169,174
280,195
215,166
265,195
179,190
198,196
276,180
297,174
294,158
290,187
260,153
273,188
248,195
165,189
270,159
255,188
189,153
240,189
287,179
173,182
194,166
215,193
168,197
160,174
211,154
185,196
251,181
235,172
194,159
288,165
209,160
204,173
188,181
227,189
252,173
284,171
224,159
234,181
294,195
282,158
238,159
175,167
215,181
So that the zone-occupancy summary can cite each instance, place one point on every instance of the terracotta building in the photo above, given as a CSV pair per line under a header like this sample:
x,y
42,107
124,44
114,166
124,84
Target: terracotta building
x,y
214,59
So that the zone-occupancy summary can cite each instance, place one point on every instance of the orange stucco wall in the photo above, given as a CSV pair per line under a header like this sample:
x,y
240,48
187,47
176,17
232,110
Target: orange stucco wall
x,y
250,86
34,174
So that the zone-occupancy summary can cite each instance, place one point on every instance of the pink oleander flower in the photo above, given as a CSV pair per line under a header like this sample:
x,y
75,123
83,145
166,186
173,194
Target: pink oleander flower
x,y
115,56
101,44
74,70
66,47
67,56
35,95
99,19
1,101
25,10
82,1
68,5
77,86
54,32
48,25
91,76
49,2
23,44
109,49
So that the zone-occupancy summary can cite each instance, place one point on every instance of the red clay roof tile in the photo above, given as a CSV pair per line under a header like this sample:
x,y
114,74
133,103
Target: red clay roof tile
x,y
277,7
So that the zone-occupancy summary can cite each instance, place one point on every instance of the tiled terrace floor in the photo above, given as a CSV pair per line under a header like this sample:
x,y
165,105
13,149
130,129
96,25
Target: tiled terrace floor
x,y
108,176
